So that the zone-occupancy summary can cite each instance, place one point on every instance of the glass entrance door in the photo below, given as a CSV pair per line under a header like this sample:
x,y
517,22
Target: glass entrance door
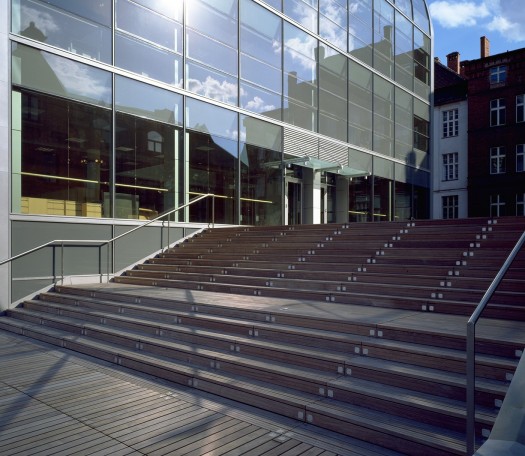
x,y
294,201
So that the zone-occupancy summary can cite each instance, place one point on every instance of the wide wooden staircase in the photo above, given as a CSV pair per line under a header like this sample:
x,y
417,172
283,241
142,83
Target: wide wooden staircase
x,y
358,329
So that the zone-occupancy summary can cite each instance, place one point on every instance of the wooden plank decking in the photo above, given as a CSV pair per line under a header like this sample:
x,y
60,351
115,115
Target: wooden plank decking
x,y
53,401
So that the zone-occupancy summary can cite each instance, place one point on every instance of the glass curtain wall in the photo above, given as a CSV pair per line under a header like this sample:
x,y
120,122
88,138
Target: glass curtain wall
x,y
292,68
61,135
148,138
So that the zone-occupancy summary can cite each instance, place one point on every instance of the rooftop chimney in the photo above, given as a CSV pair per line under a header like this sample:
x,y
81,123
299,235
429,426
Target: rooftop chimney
x,y
453,61
485,47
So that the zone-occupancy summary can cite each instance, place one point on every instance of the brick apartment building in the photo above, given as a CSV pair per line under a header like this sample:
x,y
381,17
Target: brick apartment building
x,y
496,130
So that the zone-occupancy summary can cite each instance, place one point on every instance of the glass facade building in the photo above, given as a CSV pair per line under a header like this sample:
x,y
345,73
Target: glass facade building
x,y
289,111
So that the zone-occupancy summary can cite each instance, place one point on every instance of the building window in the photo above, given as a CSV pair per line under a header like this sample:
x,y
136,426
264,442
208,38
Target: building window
x,y
450,166
450,123
498,74
497,206
450,207
520,204
520,108
497,112
520,158
497,160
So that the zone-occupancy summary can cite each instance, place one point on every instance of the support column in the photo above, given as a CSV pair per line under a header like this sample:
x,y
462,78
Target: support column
x,y
4,156
311,196
342,193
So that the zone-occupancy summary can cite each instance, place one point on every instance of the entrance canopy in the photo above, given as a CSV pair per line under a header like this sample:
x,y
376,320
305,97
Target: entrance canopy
x,y
323,165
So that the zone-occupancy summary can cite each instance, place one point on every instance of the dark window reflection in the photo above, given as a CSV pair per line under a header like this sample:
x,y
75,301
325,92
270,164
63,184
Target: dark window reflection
x,y
213,164
64,163
145,153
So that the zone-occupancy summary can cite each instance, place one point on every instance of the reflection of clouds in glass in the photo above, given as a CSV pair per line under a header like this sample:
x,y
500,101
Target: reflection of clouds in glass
x,y
334,34
212,88
257,104
299,50
41,20
80,79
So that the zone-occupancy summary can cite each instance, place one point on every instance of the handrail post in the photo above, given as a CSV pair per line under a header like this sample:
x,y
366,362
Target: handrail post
x,y
471,388
62,261
213,211
168,246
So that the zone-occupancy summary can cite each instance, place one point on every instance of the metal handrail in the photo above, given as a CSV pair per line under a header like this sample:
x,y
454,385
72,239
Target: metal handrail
x,y
471,345
102,242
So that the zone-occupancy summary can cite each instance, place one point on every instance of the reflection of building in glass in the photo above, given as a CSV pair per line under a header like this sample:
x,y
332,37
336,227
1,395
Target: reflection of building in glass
x,y
105,123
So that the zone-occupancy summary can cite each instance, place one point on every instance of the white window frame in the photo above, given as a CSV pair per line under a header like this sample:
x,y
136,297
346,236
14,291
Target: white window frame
x,y
520,158
450,166
498,109
450,206
450,123
520,204
520,108
498,74
496,204
497,160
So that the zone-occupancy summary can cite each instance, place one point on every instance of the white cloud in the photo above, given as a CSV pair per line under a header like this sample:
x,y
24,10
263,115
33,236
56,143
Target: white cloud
x,y
509,19
506,17
212,88
259,105
458,14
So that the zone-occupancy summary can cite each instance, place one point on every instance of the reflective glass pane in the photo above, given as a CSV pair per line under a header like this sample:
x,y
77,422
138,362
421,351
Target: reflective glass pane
x,y
50,73
261,101
404,52
63,155
99,11
261,74
148,25
170,8
143,100
211,52
147,60
421,15
299,53
218,122
145,153
333,33
405,6
74,33
335,10
217,19
261,33
360,37
211,84
261,175
299,114
360,105
383,116
302,13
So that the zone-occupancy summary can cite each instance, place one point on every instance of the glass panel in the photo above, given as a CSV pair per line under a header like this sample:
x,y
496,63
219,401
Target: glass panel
x,y
404,52
360,30
261,175
302,13
84,30
217,19
359,197
261,33
333,33
405,6
56,75
213,153
64,156
141,58
300,115
212,84
421,15
404,126
211,53
383,116
277,4
145,153
144,100
333,86
261,101
260,73
360,105
148,25
299,53
383,37
170,8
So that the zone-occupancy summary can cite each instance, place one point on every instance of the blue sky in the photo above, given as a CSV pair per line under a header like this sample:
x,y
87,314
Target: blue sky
x,y
459,24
